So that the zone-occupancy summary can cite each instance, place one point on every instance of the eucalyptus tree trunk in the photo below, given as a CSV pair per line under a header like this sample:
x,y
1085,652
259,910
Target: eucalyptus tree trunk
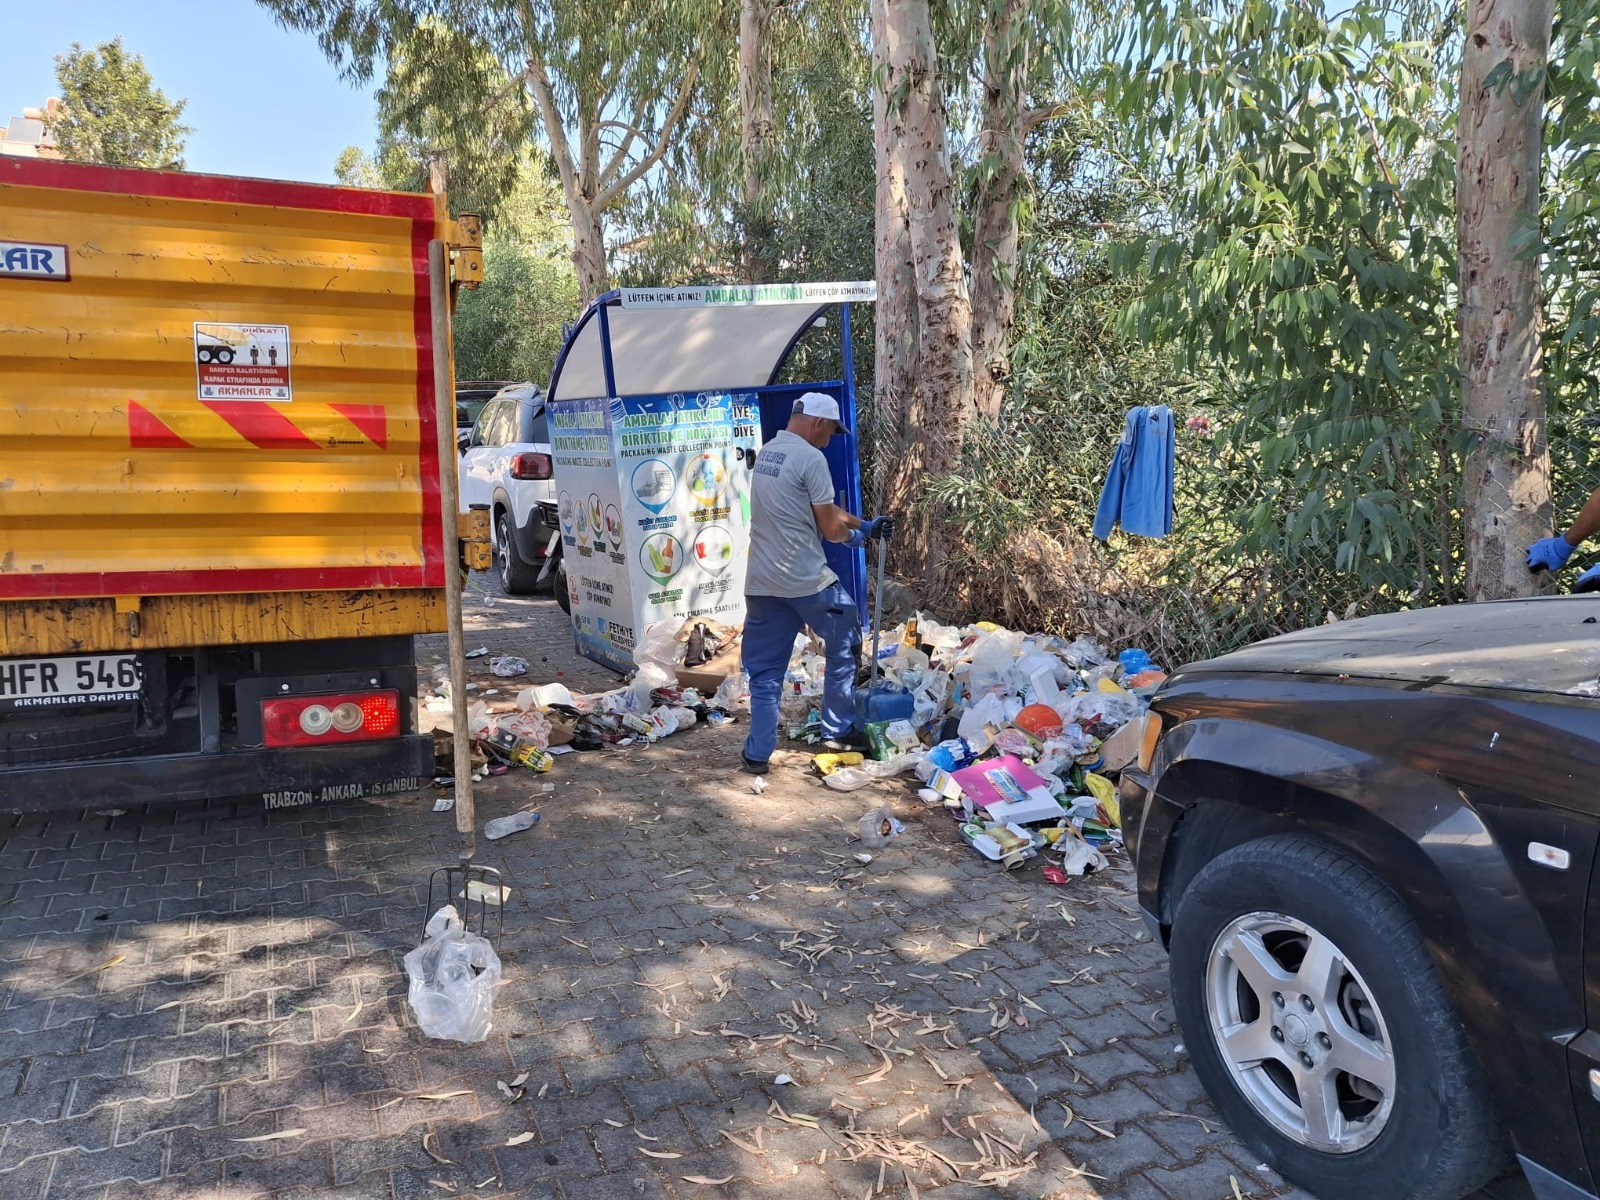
x,y
899,457
940,404
1002,179
1507,472
756,130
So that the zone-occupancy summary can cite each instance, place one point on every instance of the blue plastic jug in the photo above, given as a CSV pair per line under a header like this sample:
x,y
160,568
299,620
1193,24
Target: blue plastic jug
x,y
885,702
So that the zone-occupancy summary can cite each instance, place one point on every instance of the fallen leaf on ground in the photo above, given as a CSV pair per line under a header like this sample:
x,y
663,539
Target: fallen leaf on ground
x,y
444,1095
660,1153
517,1139
271,1137
708,1182
109,963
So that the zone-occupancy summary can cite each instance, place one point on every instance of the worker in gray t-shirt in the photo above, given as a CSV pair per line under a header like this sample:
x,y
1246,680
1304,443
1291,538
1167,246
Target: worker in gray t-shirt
x,y
788,585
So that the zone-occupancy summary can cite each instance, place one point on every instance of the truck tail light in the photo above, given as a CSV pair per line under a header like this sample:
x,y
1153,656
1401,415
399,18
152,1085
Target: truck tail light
x,y
532,466
324,720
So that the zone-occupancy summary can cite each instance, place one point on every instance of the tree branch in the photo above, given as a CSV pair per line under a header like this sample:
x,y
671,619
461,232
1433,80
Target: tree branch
x,y
634,132
679,107
1032,118
544,96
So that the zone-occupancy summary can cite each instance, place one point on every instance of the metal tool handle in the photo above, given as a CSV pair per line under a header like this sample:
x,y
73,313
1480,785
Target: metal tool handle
x,y
877,613
444,395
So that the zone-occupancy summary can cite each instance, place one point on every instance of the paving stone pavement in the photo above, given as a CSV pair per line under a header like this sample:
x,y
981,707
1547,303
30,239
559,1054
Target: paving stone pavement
x,y
207,1002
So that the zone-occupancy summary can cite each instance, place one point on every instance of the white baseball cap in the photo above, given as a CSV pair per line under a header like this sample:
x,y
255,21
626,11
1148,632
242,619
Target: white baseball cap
x,y
815,404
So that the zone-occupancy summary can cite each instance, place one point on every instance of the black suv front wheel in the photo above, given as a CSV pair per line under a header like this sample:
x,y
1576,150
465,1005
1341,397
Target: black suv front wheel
x,y
1321,1030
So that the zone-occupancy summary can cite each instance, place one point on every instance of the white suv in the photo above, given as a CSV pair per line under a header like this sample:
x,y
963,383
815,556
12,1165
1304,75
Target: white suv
x,y
507,467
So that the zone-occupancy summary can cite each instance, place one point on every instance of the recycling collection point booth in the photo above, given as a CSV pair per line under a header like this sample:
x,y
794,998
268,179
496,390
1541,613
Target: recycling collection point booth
x,y
659,400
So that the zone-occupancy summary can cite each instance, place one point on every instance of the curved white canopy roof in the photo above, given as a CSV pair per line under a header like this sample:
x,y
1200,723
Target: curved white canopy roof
x,y
692,339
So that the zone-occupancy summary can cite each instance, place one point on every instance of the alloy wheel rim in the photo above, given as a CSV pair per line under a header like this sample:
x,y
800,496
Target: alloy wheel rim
x,y
1297,1028
502,550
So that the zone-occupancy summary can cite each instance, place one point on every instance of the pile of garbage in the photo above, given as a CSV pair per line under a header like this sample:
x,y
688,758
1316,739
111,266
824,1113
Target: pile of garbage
x,y
1018,736
684,679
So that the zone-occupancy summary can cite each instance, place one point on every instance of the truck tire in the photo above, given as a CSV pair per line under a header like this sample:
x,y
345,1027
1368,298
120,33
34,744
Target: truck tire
x,y
1321,1030
516,576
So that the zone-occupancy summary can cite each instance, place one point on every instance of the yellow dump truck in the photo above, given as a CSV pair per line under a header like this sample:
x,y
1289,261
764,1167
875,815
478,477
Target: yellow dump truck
x,y
219,487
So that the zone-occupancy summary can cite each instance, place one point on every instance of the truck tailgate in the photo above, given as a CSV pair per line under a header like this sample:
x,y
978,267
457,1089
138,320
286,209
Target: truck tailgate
x,y
213,386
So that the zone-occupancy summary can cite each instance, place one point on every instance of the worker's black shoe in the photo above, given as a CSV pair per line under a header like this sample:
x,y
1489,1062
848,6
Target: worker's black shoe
x,y
753,767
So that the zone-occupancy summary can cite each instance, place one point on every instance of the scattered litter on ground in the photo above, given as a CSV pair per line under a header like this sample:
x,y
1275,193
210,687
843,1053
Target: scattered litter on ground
x,y
505,826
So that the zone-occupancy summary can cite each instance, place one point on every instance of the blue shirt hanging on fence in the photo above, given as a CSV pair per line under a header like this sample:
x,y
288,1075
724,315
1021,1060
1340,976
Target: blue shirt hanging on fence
x,y
1138,488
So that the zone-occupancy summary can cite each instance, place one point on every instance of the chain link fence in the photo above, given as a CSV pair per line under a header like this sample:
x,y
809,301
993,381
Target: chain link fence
x,y
1018,512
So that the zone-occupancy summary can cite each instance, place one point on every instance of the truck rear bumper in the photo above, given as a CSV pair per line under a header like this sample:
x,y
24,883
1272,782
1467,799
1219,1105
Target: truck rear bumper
x,y
280,778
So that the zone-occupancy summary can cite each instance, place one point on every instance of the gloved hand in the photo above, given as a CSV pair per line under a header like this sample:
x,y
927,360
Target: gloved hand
x,y
1589,581
878,527
1549,554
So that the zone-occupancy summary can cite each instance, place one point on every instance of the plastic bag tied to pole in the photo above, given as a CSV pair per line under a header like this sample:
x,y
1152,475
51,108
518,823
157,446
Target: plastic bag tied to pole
x,y
454,975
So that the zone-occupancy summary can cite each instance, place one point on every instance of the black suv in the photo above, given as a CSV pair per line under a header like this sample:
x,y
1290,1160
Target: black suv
x,y
1370,850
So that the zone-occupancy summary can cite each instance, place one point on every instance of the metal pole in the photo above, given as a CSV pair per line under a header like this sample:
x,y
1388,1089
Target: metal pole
x,y
877,614
449,503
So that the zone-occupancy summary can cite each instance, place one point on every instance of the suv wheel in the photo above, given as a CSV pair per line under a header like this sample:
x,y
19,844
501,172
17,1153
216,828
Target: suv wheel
x,y
516,576
1320,1029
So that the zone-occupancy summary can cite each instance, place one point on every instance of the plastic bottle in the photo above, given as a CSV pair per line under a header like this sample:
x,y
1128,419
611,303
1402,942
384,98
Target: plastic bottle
x,y
502,826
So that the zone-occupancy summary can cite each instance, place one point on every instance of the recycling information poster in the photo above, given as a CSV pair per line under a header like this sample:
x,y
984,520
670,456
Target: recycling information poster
x,y
655,513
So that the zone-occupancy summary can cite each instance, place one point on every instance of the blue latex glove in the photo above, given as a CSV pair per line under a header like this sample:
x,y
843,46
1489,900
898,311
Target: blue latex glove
x,y
1549,554
1589,581
857,538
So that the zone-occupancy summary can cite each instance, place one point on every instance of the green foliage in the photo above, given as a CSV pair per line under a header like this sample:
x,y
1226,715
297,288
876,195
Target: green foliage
x,y
511,326
1307,265
1570,234
113,113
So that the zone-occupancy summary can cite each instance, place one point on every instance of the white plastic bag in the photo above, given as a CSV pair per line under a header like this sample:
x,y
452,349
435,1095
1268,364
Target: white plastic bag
x,y
734,694
849,779
660,646
454,975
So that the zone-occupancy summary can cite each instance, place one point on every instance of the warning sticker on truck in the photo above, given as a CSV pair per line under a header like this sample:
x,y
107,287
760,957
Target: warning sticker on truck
x,y
242,362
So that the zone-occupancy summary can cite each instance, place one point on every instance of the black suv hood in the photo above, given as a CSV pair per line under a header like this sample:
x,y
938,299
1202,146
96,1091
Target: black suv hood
x,y
1549,644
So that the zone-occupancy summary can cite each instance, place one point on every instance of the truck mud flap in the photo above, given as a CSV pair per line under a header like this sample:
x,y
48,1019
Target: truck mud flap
x,y
291,778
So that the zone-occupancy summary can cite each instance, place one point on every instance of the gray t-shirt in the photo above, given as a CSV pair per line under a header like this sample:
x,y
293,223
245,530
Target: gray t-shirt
x,y
785,545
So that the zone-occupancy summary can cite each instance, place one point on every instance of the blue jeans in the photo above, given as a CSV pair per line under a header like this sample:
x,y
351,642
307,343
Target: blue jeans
x,y
770,626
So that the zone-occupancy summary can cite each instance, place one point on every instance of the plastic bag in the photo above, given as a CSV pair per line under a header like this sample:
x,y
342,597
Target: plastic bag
x,y
878,827
1085,652
660,646
1080,858
734,694
982,721
993,661
509,666
849,779
454,975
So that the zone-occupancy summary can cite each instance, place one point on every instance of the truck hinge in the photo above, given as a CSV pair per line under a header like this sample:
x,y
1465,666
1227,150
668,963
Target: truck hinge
x,y
464,236
472,528
129,606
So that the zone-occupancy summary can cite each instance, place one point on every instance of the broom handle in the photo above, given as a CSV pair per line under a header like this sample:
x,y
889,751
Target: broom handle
x,y
444,394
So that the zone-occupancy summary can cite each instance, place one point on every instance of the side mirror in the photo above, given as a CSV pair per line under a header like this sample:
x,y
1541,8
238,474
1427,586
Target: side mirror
x,y
463,440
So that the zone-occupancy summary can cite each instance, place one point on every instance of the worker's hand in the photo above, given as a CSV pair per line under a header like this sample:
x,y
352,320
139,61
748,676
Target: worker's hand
x,y
1589,581
1549,554
881,528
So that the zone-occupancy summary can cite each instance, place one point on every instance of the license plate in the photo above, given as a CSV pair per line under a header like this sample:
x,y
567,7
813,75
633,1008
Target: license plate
x,y
56,682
